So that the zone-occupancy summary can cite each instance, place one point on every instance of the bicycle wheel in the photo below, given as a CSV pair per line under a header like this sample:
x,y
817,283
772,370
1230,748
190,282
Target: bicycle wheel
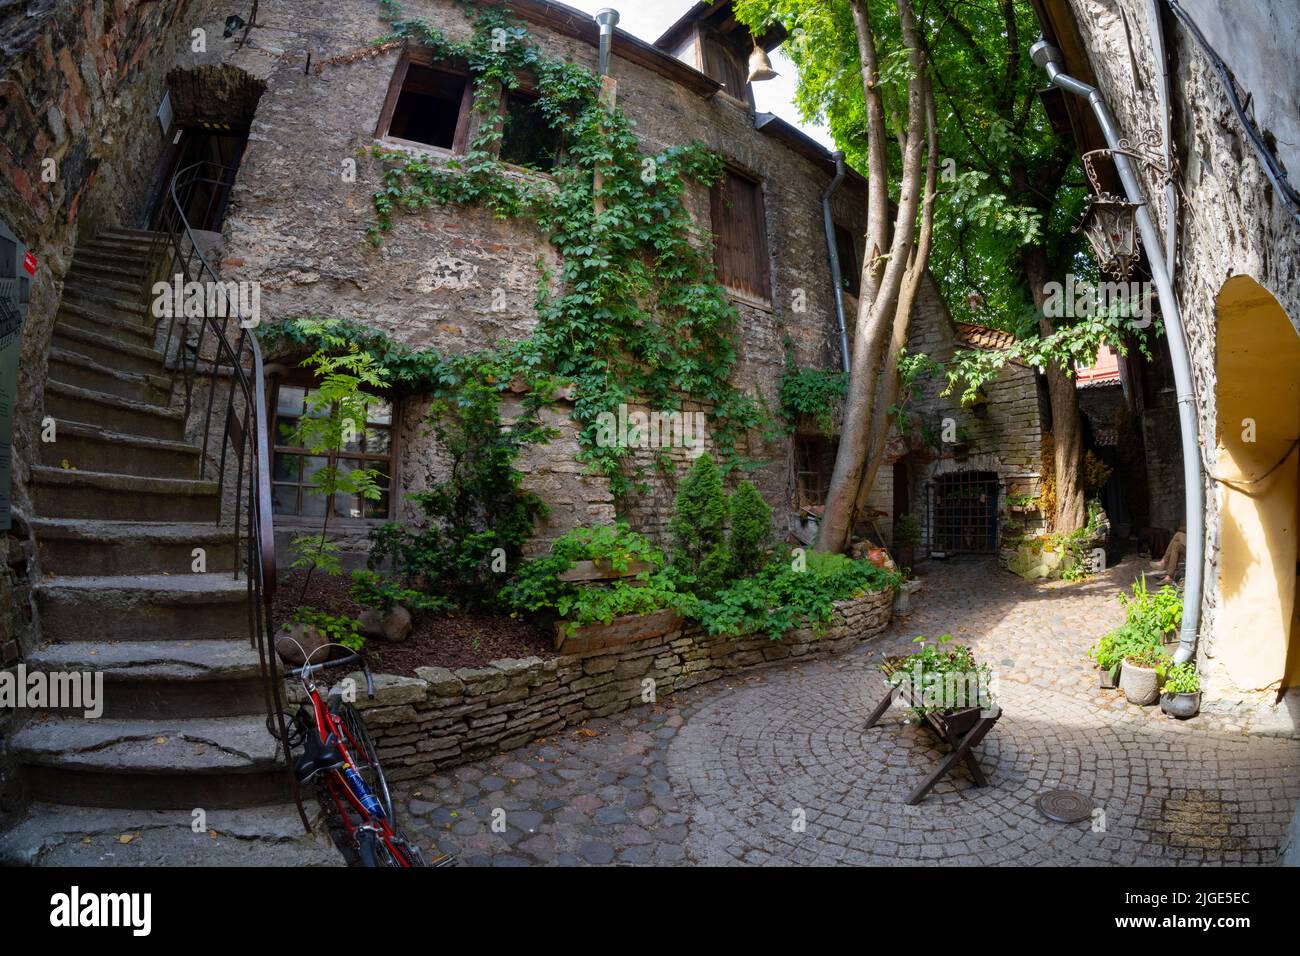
x,y
367,759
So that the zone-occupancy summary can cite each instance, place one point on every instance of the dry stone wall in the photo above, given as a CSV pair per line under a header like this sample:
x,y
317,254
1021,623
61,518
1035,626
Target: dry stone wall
x,y
446,717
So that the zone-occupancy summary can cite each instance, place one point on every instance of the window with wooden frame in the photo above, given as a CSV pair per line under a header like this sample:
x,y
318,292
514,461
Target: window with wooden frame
x,y
293,468
850,268
724,62
740,236
814,460
527,136
427,104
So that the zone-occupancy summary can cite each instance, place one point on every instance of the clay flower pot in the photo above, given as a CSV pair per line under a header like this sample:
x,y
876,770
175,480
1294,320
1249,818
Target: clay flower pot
x,y
1181,706
1140,684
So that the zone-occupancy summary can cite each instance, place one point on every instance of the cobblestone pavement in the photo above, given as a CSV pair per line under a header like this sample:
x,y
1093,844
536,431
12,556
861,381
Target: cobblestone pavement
x,y
725,773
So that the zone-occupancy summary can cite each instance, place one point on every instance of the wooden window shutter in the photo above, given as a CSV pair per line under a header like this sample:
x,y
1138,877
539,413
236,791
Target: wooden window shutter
x,y
740,236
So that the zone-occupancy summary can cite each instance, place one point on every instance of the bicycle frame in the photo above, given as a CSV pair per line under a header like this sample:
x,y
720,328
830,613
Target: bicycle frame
x,y
340,789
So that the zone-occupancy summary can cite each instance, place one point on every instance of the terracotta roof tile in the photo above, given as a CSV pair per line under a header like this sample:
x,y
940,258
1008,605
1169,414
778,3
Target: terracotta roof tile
x,y
982,337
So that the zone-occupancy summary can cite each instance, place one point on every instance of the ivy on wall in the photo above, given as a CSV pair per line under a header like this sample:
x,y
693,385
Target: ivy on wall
x,y
636,313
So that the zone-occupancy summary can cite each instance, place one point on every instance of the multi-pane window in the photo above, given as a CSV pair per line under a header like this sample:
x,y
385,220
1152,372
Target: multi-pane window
x,y
294,468
814,461
740,236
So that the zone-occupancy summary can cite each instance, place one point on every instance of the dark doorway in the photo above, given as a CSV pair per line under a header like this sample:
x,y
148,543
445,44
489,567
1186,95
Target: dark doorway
x,y
205,204
963,513
902,489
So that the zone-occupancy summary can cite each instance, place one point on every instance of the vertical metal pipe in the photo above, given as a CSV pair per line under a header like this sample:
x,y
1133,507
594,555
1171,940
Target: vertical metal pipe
x,y
1047,57
608,19
832,251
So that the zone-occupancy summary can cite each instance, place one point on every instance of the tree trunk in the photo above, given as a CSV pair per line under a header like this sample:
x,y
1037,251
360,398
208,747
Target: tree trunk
x,y
883,289
1063,393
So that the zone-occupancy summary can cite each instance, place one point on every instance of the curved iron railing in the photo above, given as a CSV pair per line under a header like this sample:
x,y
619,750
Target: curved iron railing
x,y
206,351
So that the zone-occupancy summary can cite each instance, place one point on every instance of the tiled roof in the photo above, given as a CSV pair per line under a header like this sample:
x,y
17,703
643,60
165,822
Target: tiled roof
x,y
982,337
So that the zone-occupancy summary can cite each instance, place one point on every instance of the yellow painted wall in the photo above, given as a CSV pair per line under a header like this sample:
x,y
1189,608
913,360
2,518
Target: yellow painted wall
x,y
1258,366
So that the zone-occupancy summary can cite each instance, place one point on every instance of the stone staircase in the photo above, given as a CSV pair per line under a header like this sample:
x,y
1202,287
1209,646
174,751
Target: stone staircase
x,y
121,509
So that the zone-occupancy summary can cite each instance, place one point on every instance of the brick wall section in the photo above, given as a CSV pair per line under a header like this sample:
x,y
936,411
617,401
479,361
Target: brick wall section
x,y
445,717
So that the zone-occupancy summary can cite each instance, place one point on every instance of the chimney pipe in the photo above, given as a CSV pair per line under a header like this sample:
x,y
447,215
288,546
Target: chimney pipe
x,y
608,19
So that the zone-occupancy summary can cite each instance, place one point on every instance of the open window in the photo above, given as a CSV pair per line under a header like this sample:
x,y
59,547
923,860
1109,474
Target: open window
x,y
527,137
850,268
725,61
428,105
740,236
294,468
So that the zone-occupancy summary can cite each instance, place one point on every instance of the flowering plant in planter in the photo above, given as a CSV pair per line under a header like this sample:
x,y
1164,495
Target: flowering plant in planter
x,y
941,679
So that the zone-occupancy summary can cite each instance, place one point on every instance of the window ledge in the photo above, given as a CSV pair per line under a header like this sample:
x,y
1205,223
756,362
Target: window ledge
x,y
763,305
421,149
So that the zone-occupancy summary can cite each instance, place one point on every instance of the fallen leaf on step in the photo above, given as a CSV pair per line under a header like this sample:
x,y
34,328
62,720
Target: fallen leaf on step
x,y
212,834
86,842
65,464
125,838
160,740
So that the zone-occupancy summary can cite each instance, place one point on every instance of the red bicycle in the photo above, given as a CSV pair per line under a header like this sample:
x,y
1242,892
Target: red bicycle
x,y
338,752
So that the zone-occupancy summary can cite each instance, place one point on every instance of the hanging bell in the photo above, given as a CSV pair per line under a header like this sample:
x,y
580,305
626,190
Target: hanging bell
x,y
760,67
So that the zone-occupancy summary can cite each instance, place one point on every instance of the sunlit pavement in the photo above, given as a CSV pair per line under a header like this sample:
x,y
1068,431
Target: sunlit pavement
x,y
774,768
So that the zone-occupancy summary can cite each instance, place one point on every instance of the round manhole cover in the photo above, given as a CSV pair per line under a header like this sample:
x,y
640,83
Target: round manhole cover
x,y
1065,806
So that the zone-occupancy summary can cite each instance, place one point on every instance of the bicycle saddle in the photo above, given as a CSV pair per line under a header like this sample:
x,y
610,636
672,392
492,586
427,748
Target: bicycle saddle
x,y
317,757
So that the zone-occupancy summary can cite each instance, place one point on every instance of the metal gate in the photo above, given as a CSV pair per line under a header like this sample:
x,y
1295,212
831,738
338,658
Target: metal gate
x,y
962,512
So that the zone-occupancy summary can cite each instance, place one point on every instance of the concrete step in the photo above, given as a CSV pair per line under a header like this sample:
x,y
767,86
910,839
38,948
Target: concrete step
x,y
127,234
91,448
72,403
126,305
62,493
106,350
131,329
78,546
163,679
143,607
183,763
61,835
109,282
111,258
73,368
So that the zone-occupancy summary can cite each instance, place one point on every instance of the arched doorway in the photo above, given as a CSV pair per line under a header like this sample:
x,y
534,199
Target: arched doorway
x,y
1257,634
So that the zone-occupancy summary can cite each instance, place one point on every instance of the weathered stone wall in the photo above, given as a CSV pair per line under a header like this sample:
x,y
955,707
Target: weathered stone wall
x,y
1229,223
443,717
79,84
1005,433
298,227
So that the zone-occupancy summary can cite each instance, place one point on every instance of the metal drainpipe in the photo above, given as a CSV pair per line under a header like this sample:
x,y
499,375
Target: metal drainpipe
x,y
837,279
1047,57
607,18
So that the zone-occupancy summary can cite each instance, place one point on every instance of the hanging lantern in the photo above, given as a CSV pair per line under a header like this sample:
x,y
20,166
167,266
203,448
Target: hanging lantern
x,y
760,67
1111,228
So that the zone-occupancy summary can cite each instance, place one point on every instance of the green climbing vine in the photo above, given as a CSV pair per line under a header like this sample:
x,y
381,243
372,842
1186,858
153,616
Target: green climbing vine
x,y
636,313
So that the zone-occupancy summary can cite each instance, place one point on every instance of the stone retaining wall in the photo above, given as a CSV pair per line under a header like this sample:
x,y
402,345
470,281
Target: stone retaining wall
x,y
445,717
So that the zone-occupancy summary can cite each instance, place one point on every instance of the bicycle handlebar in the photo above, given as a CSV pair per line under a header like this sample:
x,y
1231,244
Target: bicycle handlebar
x,y
305,670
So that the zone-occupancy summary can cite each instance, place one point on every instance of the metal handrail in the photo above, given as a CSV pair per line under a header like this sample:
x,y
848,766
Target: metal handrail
x,y
202,346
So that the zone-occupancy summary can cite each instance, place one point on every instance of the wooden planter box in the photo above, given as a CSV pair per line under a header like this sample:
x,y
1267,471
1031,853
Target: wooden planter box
x,y
590,571
622,630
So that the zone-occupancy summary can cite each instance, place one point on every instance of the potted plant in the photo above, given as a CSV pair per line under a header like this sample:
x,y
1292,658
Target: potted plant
x,y
1140,678
907,535
1108,657
1182,691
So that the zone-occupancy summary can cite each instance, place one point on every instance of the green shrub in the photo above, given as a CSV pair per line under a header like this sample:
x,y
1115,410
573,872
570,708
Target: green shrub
x,y
535,587
698,527
383,593
787,593
927,668
475,520
332,627
751,530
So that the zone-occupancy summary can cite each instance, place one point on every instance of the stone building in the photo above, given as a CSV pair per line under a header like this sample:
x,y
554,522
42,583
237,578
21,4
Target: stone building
x,y
1205,89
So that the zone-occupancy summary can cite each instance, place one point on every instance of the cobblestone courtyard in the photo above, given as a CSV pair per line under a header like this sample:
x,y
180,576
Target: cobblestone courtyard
x,y
722,773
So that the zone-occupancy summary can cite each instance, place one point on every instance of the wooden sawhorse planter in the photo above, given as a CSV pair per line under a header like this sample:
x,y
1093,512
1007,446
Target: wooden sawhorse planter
x,y
962,729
